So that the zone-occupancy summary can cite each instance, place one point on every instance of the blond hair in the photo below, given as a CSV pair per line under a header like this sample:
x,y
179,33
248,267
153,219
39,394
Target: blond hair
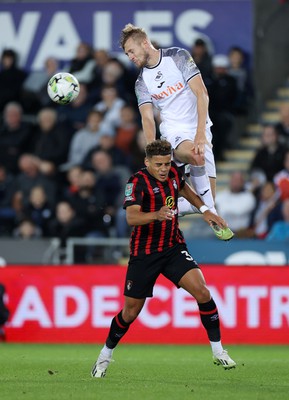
x,y
132,31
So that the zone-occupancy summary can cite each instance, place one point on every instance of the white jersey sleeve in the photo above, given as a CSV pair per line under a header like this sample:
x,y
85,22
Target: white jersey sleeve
x,y
142,93
184,62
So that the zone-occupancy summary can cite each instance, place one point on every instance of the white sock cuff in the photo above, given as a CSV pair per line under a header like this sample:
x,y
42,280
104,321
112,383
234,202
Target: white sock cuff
x,y
197,170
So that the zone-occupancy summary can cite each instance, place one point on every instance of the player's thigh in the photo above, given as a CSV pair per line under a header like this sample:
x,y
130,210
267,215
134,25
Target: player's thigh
x,y
185,152
141,275
178,262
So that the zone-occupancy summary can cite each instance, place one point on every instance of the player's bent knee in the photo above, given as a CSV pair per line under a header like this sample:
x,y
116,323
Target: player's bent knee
x,y
197,159
202,295
129,315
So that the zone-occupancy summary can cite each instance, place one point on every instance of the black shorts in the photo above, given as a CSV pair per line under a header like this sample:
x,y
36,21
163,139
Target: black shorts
x,y
143,271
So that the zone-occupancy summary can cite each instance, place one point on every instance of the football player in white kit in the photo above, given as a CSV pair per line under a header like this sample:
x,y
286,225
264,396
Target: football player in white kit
x,y
170,81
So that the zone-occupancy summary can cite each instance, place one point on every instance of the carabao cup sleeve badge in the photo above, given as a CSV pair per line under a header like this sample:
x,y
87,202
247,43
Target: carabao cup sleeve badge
x,y
128,189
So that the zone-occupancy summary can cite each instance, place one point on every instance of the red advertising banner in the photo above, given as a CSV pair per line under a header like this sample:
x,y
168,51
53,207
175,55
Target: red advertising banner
x,y
75,304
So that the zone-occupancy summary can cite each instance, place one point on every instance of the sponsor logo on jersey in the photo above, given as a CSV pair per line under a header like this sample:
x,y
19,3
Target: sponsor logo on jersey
x,y
175,184
170,202
156,190
169,91
161,84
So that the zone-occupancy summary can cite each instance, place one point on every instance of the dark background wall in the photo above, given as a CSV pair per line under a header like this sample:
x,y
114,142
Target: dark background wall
x,y
271,47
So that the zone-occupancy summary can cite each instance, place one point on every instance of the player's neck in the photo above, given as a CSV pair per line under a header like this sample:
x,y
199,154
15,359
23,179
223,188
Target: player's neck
x,y
154,57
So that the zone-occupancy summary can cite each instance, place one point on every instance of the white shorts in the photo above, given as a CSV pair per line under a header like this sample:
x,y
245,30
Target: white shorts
x,y
176,138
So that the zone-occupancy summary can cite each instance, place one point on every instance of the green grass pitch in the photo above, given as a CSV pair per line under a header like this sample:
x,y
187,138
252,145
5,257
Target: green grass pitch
x,y
142,372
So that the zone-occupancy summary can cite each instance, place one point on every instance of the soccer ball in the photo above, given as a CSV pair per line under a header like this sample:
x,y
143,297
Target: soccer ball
x,y
63,88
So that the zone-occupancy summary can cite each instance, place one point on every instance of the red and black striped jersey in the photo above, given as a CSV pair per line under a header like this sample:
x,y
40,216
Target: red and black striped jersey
x,y
151,194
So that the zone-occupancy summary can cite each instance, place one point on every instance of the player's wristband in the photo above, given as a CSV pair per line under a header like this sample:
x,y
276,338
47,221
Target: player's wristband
x,y
204,208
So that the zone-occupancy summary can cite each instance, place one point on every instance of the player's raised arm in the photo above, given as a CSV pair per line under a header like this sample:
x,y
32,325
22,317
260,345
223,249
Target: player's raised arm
x,y
197,86
148,122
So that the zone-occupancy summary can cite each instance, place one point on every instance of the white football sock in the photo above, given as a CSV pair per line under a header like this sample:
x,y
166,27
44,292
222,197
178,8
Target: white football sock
x,y
217,348
106,351
201,184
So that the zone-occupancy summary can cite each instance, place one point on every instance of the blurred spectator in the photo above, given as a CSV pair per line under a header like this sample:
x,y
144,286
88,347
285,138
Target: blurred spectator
x,y
52,141
222,89
107,143
202,58
255,181
281,179
66,223
83,64
16,137
87,138
38,209
7,212
27,230
280,229
34,90
114,73
31,176
101,58
75,113
238,70
266,201
283,125
269,158
89,205
126,129
110,182
243,105
110,105
11,78
72,183
236,204
137,151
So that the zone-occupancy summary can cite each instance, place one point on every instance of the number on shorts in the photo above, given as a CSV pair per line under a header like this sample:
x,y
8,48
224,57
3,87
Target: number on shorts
x,y
188,256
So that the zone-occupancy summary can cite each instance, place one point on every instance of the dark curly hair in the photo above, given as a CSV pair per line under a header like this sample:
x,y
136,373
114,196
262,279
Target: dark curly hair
x,y
158,148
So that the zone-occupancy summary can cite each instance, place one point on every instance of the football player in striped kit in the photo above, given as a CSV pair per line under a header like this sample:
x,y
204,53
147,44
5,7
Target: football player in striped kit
x,y
157,247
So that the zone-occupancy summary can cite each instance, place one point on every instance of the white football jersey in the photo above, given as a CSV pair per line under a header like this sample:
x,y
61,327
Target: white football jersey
x,y
166,86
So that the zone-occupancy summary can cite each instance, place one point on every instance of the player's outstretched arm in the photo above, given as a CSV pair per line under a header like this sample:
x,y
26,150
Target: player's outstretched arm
x,y
135,216
212,218
188,193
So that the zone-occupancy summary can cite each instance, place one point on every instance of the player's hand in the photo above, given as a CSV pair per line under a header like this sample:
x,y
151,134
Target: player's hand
x,y
199,144
210,217
165,213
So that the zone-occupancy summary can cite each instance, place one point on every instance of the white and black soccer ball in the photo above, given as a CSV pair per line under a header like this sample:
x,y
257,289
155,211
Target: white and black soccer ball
x,y
63,88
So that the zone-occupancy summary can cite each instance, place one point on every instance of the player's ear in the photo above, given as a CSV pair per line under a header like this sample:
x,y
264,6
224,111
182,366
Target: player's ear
x,y
146,161
146,43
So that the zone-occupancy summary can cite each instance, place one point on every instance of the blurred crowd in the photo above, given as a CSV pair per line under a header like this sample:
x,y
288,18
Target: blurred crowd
x,y
63,168
256,203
